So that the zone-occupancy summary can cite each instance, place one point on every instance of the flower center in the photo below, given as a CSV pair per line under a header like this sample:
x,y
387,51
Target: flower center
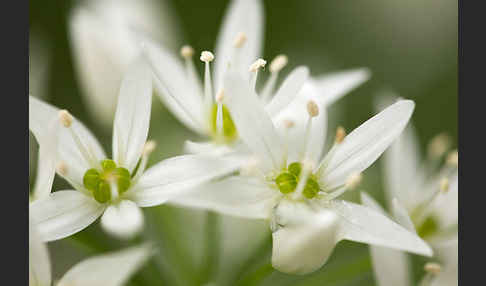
x,y
229,132
288,180
99,183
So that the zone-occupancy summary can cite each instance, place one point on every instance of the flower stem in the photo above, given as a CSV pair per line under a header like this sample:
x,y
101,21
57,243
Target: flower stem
x,y
210,260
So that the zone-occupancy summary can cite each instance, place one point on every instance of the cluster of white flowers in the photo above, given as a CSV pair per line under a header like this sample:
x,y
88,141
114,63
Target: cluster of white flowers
x,y
264,160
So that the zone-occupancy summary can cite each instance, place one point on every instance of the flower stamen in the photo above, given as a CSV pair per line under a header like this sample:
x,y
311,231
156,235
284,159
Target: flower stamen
x,y
207,57
277,64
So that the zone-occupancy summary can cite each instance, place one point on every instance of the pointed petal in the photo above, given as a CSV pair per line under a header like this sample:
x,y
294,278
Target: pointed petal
x,y
40,115
174,176
401,216
386,260
297,112
110,269
304,238
253,123
236,196
39,263
132,116
365,144
363,224
288,90
331,87
241,16
208,148
64,213
173,88
123,220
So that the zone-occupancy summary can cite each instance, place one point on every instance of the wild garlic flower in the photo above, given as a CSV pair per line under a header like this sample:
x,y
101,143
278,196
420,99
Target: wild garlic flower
x,y
423,197
104,38
109,269
238,49
290,185
114,188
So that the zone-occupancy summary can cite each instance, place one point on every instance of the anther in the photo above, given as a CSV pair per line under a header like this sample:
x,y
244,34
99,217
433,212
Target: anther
x,y
149,147
453,158
432,268
219,96
187,51
66,118
288,123
340,134
206,56
278,63
439,145
312,108
353,181
62,168
444,185
240,40
259,63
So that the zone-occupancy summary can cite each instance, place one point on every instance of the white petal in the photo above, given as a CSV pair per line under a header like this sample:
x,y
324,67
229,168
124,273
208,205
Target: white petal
x,y
362,224
331,87
104,41
123,220
236,196
387,260
288,90
46,164
40,115
132,117
241,16
304,238
174,176
365,144
39,263
253,123
403,173
401,216
174,88
208,148
110,269
297,112
64,213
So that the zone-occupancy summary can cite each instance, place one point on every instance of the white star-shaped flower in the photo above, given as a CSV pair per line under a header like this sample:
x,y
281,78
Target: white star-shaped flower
x,y
238,49
115,188
288,183
426,205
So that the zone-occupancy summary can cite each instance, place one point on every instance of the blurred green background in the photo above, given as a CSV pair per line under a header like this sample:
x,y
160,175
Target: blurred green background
x,y
410,47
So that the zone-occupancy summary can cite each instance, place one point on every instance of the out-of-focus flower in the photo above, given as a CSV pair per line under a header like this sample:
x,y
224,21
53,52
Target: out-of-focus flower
x,y
115,188
109,269
425,204
288,182
105,39
38,64
238,48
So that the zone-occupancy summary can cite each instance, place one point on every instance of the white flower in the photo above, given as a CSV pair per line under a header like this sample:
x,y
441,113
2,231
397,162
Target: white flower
x,y
425,205
104,37
115,188
287,184
109,269
238,47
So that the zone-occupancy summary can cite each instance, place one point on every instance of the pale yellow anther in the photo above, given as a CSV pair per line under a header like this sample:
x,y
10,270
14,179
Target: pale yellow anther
x,y
444,185
187,51
288,123
340,134
250,167
432,268
240,40
149,147
65,118
260,63
312,108
207,56
439,145
453,159
219,96
62,168
278,63
353,181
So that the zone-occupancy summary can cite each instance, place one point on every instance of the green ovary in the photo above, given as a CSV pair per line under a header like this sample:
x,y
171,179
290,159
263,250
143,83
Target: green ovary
x,y
229,129
428,227
288,180
99,182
